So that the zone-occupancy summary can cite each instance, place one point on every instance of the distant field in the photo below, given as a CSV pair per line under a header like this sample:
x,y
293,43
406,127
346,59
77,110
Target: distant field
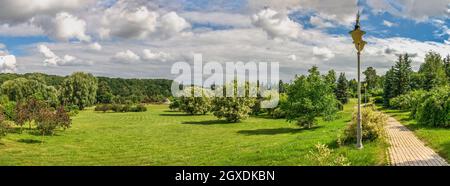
x,y
162,137
436,138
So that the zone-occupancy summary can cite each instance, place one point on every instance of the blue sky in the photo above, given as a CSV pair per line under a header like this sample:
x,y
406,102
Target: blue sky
x,y
91,34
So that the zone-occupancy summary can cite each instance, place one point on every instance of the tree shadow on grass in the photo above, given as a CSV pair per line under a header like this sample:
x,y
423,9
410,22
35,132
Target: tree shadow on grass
x,y
176,114
277,131
208,122
29,141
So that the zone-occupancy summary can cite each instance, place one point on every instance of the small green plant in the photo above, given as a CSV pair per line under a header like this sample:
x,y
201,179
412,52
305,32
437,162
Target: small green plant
x,y
321,155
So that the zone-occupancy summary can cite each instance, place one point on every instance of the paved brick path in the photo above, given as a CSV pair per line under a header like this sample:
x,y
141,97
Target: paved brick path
x,y
407,150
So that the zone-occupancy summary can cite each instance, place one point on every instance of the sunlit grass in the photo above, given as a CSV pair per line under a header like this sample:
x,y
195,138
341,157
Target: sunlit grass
x,y
162,137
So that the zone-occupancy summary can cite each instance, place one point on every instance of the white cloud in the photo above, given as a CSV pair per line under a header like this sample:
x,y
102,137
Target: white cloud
x,y
95,46
276,25
323,53
292,57
417,10
171,24
218,18
388,23
342,12
8,64
127,56
320,22
20,30
18,11
140,23
51,59
156,56
64,27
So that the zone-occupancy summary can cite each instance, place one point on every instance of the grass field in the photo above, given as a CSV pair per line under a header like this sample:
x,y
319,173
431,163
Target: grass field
x,y
436,138
162,137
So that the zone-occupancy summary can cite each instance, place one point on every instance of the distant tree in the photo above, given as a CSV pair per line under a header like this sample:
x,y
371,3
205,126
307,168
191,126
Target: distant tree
x,y
104,94
330,79
79,89
390,88
21,89
402,74
371,78
310,97
447,66
433,71
342,89
353,86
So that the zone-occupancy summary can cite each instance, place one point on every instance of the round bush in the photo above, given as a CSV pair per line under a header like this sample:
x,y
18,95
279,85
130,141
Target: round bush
x,y
435,110
372,125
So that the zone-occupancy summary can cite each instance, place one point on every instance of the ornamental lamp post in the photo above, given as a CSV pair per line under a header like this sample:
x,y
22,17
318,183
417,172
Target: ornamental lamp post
x,y
357,34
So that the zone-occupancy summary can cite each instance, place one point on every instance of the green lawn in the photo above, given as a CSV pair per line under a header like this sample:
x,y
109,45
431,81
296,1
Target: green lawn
x,y
436,138
162,137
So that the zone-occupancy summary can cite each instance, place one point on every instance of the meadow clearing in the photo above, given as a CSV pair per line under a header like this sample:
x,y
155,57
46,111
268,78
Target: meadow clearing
x,y
163,137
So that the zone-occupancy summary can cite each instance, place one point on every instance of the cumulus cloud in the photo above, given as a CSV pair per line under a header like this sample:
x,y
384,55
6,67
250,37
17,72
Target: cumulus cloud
x,y
292,57
51,59
20,30
320,22
388,23
323,53
342,12
417,10
218,18
18,11
156,56
8,64
65,27
276,25
140,23
127,56
95,46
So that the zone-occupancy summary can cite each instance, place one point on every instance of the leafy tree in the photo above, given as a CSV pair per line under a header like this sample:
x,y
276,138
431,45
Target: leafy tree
x,y
342,89
4,127
79,89
233,108
21,89
27,111
330,79
353,87
104,94
47,120
435,109
447,66
192,104
310,97
371,78
433,71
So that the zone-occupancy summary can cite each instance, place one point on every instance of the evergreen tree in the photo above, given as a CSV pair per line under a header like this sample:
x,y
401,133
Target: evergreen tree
x,y
402,75
342,89
390,87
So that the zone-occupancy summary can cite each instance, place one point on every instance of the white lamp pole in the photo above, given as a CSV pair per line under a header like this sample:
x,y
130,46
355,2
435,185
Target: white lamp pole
x,y
357,34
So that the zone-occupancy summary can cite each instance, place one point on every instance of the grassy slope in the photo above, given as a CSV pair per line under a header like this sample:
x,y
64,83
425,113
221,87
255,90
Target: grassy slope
x,y
436,138
161,137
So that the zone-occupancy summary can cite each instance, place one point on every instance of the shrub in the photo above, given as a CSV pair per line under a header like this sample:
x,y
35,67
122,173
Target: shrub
x,y
191,104
116,108
372,125
378,100
235,107
140,108
324,156
174,104
435,110
278,113
4,126
103,107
